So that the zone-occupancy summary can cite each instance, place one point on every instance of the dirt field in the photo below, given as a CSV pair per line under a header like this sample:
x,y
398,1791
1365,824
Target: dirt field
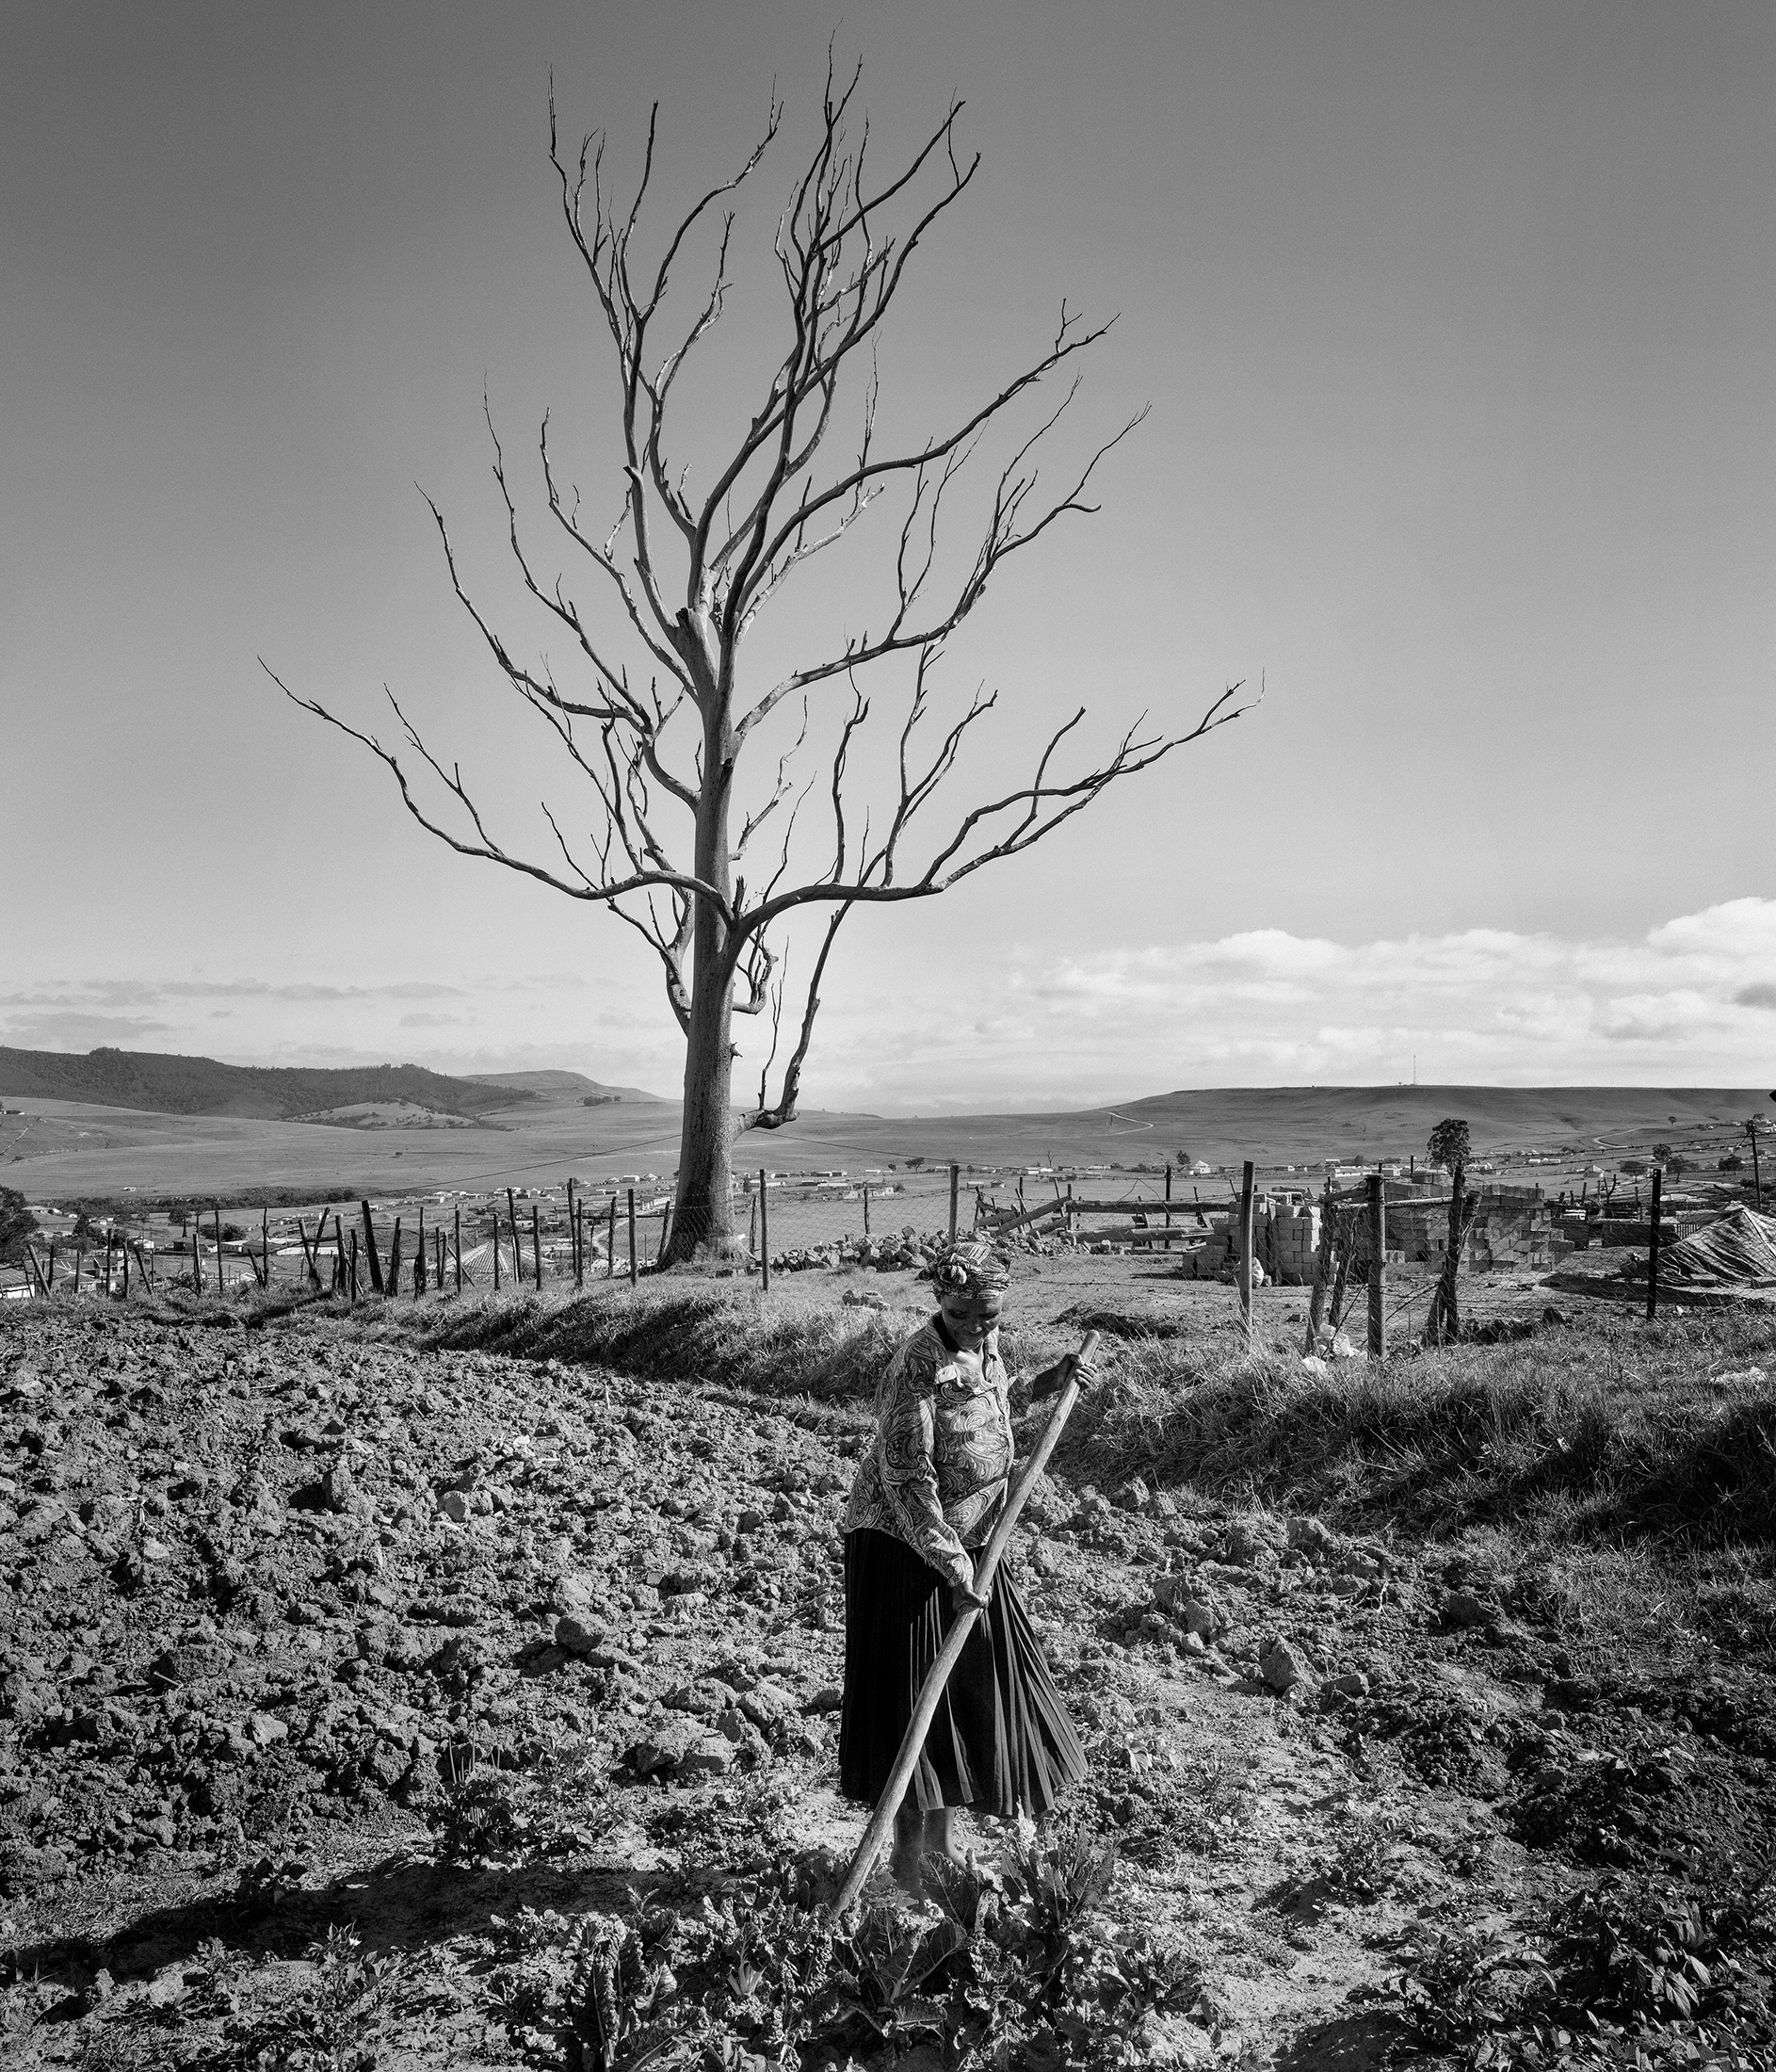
x,y
368,1701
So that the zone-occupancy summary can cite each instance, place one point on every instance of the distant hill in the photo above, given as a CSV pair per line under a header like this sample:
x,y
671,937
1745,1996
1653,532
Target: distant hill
x,y
559,1086
1373,1120
163,1084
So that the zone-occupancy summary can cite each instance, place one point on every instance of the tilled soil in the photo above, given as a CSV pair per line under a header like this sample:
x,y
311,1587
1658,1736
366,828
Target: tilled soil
x,y
306,1631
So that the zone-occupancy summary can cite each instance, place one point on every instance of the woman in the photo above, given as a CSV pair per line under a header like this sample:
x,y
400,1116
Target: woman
x,y
925,1502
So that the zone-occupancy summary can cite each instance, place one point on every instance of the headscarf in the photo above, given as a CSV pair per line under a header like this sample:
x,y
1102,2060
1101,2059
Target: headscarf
x,y
968,1267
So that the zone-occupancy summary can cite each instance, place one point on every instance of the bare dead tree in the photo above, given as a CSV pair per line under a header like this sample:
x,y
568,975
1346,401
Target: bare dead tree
x,y
663,851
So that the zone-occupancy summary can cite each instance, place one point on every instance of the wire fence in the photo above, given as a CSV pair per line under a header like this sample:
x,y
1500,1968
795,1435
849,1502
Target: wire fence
x,y
568,1235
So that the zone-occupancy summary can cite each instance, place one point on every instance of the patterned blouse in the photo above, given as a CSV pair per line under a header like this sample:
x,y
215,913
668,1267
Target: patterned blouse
x,y
936,1474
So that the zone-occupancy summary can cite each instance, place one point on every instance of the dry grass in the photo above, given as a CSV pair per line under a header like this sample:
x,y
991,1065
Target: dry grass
x,y
1602,1425
1607,1424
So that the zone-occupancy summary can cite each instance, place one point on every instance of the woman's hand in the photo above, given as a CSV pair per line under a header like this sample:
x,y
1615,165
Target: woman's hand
x,y
1051,1380
968,1594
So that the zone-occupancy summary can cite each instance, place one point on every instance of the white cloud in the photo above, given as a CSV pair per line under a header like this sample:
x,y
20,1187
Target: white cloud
x,y
1688,1003
1681,1005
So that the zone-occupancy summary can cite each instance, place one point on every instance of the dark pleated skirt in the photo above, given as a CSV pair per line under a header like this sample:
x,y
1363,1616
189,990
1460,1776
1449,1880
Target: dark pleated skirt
x,y
1001,1739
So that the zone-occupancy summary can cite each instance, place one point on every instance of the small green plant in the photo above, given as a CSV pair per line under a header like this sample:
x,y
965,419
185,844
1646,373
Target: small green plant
x,y
338,2022
1207,1815
487,1814
1017,1966
1467,1982
1645,1952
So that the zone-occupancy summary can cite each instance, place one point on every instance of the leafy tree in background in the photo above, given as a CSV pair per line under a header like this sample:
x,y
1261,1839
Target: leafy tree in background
x,y
1449,1144
16,1224
666,727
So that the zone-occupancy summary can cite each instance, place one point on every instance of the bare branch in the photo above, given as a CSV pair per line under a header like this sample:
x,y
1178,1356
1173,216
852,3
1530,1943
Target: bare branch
x,y
603,891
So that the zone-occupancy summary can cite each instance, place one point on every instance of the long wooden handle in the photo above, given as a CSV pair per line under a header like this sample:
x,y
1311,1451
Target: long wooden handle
x,y
912,1741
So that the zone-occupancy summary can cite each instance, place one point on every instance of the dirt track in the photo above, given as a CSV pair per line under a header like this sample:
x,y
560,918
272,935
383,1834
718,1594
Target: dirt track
x,y
304,1628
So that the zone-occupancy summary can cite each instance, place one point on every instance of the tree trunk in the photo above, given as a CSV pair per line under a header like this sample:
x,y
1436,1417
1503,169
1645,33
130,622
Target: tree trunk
x,y
702,1208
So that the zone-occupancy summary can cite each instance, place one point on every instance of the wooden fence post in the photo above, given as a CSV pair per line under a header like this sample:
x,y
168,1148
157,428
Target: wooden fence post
x,y
1322,1266
419,1256
496,1252
80,1261
370,1250
1653,1252
123,1246
955,1172
518,1252
221,1277
536,1246
632,1237
579,1244
573,1236
764,1237
610,1249
865,1209
265,1244
1757,1171
395,1256
459,1235
1245,1257
1378,1269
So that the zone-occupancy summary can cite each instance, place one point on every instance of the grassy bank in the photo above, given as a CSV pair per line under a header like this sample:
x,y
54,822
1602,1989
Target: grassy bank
x,y
1601,1423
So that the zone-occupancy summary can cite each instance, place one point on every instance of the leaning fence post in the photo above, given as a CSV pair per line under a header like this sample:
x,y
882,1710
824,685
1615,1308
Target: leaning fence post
x,y
518,1254
370,1250
1245,1256
955,1173
1653,1252
496,1250
80,1260
459,1235
1378,1267
764,1237
610,1249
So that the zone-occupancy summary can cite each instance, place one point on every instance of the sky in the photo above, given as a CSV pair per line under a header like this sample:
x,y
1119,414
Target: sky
x,y
1457,329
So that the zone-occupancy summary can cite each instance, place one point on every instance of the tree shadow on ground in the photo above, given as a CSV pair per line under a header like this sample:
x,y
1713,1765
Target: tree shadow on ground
x,y
402,1902
1349,2043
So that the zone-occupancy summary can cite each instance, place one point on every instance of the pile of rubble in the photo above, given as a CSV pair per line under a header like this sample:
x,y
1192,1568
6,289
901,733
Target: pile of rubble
x,y
911,1251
